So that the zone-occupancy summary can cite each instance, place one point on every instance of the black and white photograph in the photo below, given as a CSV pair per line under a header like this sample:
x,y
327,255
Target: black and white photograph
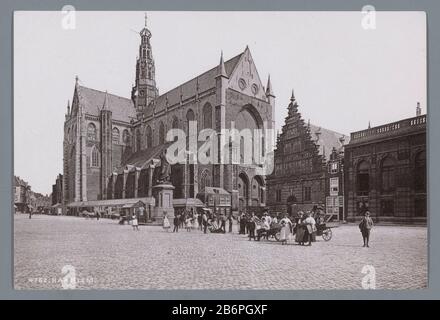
x,y
220,150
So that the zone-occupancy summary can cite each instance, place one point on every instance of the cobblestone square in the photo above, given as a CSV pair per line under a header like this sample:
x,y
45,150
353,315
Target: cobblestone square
x,y
106,255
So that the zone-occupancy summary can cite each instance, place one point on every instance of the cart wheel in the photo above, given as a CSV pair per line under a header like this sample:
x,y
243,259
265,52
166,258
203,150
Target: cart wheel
x,y
277,236
327,234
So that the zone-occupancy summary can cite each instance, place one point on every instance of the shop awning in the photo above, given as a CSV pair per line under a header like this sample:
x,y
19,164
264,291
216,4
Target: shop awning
x,y
111,202
190,202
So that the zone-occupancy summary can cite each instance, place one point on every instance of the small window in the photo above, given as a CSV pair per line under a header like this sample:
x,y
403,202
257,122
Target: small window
x,y
115,135
279,195
95,157
91,132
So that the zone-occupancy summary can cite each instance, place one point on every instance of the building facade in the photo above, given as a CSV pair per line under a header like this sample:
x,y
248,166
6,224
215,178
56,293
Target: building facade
x,y
57,190
112,145
304,157
385,172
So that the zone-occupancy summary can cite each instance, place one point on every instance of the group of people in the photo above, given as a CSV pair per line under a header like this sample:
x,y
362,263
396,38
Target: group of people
x,y
302,227
193,220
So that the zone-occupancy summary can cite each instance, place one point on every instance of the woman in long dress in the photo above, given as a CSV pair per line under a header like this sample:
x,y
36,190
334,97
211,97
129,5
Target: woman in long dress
x,y
166,222
286,225
196,221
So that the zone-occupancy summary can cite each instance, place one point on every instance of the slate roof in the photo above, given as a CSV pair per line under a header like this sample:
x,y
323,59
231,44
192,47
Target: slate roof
x,y
92,101
328,139
142,157
188,89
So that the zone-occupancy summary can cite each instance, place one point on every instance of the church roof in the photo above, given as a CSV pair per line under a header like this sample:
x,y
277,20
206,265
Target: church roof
x,y
142,157
327,138
204,82
93,100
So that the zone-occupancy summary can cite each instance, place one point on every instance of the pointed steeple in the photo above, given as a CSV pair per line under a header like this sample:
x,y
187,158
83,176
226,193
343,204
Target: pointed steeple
x,y
369,124
269,91
105,104
76,81
292,98
221,70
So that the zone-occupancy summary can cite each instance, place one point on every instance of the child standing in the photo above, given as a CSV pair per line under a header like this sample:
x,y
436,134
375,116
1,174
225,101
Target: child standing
x,y
188,223
135,223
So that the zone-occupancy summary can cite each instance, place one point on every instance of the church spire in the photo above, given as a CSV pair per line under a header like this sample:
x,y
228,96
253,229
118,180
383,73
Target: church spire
x,y
105,104
292,98
269,91
68,107
144,92
221,71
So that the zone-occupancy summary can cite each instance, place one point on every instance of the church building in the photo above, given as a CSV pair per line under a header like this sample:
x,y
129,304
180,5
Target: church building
x,y
112,144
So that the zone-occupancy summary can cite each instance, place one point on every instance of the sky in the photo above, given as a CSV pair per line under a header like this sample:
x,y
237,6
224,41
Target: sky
x,y
343,75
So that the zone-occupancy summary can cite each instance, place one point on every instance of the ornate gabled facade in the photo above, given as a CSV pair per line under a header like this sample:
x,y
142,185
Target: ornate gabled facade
x,y
112,144
300,179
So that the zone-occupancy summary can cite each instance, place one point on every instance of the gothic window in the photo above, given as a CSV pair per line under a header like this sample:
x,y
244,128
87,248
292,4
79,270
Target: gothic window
x,y
207,116
149,74
189,117
91,132
144,52
387,176
363,179
138,140
420,172
149,137
161,133
205,180
115,135
94,157
126,136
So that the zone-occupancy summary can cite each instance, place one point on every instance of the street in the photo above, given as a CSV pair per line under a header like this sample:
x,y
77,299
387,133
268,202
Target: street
x,y
111,256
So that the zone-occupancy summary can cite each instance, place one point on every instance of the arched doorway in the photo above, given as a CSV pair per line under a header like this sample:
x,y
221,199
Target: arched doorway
x,y
258,191
243,191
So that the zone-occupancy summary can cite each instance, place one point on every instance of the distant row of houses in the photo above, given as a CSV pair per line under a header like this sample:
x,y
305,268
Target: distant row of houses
x,y
26,200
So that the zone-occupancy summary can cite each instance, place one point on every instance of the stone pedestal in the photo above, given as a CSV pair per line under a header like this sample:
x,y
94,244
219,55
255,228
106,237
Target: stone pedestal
x,y
163,194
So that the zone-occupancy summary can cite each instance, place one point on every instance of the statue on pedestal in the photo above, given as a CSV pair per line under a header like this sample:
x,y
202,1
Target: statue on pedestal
x,y
165,169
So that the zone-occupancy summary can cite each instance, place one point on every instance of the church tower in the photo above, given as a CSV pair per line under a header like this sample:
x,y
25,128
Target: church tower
x,y
144,91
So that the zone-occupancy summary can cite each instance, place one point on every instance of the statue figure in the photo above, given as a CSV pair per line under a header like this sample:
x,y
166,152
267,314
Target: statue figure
x,y
165,169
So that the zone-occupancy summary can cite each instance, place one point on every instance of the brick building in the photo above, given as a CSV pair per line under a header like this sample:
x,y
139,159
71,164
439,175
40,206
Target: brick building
x,y
304,157
385,171
57,190
112,144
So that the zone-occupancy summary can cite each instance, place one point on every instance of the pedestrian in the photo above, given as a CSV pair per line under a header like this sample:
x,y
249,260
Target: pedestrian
x,y
365,227
195,221
98,215
205,222
230,222
223,222
242,222
286,228
30,213
176,222
310,224
188,224
134,223
251,226
166,222
200,221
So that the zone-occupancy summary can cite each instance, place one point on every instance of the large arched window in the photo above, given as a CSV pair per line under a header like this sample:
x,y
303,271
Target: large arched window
x,y
420,172
363,179
207,116
387,175
189,117
115,135
161,133
149,137
138,140
126,136
205,179
175,123
91,132
94,157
